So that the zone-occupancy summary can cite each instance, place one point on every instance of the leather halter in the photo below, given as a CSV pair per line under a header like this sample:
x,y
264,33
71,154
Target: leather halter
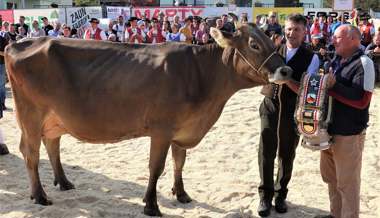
x,y
261,66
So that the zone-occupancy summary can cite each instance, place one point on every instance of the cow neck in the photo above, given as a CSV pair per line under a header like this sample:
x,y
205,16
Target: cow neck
x,y
217,75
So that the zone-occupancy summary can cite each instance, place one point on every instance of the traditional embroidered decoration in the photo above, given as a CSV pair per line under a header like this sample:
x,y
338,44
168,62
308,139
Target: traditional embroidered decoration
x,y
312,113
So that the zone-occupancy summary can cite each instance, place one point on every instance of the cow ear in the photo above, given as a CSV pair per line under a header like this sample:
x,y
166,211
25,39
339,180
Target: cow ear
x,y
224,39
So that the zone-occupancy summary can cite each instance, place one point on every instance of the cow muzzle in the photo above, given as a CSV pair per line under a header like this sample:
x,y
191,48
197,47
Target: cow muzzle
x,y
281,75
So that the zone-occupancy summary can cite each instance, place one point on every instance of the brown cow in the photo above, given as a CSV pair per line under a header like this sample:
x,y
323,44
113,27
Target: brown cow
x,y
102,92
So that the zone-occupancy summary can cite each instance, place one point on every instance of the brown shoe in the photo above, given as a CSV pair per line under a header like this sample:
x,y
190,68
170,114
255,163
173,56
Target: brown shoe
x,y
3,149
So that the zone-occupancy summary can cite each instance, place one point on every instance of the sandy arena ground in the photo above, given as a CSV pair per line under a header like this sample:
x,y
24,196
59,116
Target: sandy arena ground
x,y
221,174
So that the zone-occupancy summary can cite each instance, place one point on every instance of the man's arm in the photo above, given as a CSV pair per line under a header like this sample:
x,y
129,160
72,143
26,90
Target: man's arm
x,y
359,94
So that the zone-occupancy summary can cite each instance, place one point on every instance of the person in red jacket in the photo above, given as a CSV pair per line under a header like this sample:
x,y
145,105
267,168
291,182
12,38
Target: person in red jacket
x,y
134,33
94,32
367,30
155,34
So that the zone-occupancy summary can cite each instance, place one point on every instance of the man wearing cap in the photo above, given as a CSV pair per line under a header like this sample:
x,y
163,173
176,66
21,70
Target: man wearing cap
x,y
94,32
46,26
134,34
319,47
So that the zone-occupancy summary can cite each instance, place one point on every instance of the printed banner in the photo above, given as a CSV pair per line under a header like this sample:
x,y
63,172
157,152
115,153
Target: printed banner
x,y
30,15
343,5
79,18
324,11
114,12
218,11
183,12
281,12
7,15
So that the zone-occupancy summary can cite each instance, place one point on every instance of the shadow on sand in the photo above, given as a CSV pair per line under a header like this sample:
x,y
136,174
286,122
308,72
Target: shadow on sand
x,y
104,198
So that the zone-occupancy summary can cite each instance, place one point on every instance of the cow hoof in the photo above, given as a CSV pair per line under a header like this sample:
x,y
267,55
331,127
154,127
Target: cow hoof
x,y
154,211
184,198
42,200
3,149
64,185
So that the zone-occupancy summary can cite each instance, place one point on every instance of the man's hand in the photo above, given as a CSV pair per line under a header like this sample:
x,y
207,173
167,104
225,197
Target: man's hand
x,y
331,79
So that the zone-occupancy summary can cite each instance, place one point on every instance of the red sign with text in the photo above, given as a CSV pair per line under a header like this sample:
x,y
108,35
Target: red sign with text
x,y
7,15
182,12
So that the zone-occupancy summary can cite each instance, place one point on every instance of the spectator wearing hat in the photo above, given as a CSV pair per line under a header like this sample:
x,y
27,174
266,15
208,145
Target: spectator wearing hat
x,y
155,34
186,30
36,31
22,24
94,32
273,25
142,25
318,47
46,26
119,29
367,30
134,34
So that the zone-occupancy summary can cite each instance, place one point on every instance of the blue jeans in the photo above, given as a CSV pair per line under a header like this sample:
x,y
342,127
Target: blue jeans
x,y
2,85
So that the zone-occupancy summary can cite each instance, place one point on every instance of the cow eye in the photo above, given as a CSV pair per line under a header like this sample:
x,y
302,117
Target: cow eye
x,y
254,45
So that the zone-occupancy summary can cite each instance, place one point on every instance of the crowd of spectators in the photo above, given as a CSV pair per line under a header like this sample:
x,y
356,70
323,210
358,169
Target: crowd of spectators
x,y
195,30
320,30
192,30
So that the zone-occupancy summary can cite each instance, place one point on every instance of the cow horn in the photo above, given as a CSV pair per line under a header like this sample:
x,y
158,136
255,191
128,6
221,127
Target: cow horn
x,y
235,20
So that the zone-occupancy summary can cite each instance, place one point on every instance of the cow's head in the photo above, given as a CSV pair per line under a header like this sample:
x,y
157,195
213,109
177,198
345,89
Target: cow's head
x,y
254,54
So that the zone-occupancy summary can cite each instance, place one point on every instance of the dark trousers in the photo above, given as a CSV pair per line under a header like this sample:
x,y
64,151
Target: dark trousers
x,y
272,139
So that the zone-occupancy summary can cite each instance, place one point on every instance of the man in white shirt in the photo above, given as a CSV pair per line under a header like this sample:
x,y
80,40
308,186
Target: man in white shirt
x,y
119,28
278,130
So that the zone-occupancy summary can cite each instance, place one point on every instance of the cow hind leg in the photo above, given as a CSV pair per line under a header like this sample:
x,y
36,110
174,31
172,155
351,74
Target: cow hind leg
x,y
179,157
158,151
30,149
52,148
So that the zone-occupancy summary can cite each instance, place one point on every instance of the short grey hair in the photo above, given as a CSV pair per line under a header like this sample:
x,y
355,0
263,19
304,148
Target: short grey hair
x,y
352,31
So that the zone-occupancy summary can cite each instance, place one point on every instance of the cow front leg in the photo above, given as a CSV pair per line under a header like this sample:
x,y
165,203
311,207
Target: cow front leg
x,y
30,149
158,151
179,158
52,148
